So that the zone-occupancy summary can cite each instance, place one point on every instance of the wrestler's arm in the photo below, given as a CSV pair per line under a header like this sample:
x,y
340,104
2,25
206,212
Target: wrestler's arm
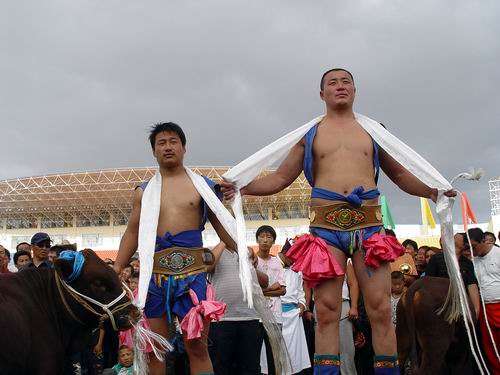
x,y
404,179
129,241
273,183
217,253
221,232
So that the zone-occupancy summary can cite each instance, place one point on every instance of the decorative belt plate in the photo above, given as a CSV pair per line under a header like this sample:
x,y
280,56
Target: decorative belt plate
x,y
345,217
176,261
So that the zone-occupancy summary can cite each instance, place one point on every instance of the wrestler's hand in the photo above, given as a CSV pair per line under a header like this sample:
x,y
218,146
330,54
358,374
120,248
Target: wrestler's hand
x,y
450,193
228,189
353,313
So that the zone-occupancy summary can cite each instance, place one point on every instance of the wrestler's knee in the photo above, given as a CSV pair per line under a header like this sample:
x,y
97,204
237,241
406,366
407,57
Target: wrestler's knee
x,y
327,312
379,310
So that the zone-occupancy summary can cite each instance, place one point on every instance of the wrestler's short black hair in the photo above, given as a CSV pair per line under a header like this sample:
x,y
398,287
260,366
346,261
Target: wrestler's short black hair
x,y
322,83
476,234
166,127
266,228
411,243
19,254
397,275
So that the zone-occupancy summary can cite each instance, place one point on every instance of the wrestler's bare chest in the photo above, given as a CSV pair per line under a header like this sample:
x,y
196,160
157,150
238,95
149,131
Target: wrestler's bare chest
x,y
343,157
180,207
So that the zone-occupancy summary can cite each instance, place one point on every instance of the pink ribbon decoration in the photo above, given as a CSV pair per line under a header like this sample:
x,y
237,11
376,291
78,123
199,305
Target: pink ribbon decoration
x,y
209,309
381,248
311,256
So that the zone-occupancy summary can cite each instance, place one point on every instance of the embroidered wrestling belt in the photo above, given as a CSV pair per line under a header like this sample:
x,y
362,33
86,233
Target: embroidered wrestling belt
x,y
344,217
182,260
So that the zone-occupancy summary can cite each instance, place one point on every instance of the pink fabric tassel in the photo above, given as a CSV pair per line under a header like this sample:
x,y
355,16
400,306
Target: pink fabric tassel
x,y
381,248
209,309
311,256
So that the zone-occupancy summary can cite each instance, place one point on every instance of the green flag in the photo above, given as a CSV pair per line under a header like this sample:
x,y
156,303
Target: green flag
x,y
386,214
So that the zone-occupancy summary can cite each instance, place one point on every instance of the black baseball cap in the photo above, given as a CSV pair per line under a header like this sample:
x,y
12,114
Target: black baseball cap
x,y
39,237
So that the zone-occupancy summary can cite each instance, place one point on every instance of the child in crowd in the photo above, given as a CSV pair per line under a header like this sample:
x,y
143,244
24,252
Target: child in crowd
x,y
125,365
133,282
397,289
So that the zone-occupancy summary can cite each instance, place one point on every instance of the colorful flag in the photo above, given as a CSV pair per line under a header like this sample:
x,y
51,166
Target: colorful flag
x,y
468,216
427,218
386,214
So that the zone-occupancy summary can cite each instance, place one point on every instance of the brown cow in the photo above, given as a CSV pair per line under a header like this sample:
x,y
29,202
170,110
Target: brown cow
x,y
431,344
42,320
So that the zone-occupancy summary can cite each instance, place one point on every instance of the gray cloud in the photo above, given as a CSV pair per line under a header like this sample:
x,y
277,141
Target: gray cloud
x,y
83,80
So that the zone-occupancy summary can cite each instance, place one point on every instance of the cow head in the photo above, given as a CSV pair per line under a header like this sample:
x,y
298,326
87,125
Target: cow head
x,y
89,276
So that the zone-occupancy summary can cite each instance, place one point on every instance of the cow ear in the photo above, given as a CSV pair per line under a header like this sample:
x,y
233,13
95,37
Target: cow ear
x,y
63,267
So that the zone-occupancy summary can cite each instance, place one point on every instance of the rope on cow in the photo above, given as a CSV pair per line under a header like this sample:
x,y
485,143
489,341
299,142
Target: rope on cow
x,y
82,300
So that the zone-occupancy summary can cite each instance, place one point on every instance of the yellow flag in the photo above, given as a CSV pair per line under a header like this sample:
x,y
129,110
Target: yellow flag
x,y
427,218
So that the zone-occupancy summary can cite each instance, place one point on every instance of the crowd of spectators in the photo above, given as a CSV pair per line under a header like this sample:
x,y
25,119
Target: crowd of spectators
x,y
239,343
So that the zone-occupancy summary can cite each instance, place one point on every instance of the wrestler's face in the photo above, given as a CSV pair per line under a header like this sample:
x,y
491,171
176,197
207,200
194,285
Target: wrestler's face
x,y
265,241
338,89
169,151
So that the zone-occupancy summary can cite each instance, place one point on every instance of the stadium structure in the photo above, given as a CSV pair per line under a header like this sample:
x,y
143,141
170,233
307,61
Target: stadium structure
x,y
494,186
91,209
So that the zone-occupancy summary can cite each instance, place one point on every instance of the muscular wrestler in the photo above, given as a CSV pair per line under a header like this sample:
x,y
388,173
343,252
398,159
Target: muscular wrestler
x,y
183,214
341,162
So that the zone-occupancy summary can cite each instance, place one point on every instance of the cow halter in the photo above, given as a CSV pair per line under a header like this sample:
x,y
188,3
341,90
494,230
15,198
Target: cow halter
x,y
82,300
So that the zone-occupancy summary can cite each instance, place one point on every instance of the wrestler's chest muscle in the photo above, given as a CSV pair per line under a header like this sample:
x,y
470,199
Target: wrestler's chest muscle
x,y
341,149
179,208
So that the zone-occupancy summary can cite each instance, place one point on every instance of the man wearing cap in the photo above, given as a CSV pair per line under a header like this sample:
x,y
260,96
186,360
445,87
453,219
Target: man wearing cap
x,y
40,245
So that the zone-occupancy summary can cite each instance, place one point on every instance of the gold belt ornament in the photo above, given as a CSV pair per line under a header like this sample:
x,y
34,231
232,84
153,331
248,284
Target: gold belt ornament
x,y
181,260
344,217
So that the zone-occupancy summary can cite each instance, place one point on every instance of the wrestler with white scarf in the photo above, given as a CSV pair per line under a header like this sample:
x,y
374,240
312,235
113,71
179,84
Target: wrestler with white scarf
x,y
170,211
340,156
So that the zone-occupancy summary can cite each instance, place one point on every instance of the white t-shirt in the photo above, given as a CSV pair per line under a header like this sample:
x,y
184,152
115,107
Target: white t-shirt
x,y
488,274
274,270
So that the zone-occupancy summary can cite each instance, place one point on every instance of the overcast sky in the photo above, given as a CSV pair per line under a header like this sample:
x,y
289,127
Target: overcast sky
x,y
82,81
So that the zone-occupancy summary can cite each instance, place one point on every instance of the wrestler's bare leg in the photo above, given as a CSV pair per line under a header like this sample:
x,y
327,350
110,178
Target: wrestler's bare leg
x,y
328,303
159,326
376,288
197,351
